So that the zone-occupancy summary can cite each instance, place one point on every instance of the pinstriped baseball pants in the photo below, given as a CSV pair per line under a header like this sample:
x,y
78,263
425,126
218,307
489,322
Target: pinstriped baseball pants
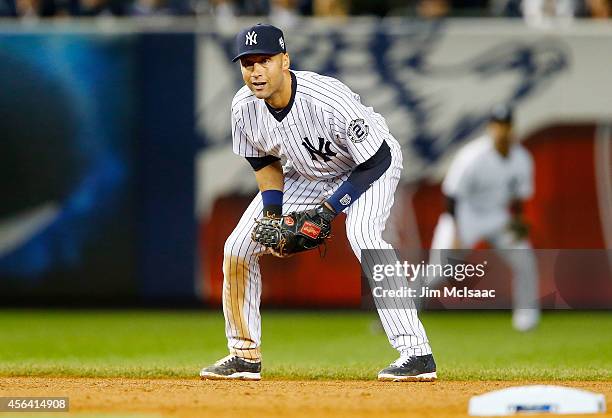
x,y
365,222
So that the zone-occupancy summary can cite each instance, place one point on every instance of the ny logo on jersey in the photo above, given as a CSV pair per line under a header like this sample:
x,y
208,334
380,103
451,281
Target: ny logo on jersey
x,y
324,150
251,38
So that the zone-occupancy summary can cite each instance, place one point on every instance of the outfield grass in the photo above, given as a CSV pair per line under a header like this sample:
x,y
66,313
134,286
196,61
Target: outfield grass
x,y
296,345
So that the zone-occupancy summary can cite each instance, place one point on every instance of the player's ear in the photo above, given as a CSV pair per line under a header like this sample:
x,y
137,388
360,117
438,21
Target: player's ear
x,y
286,61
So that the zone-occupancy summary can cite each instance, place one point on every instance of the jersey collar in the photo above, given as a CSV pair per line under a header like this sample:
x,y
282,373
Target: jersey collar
x,y
279,115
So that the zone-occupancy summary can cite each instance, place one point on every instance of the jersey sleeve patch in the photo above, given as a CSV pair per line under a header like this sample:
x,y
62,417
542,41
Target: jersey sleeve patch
x,y
358,131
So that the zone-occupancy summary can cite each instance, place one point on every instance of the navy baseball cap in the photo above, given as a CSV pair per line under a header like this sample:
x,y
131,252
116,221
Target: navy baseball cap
x,y
260,39
501,113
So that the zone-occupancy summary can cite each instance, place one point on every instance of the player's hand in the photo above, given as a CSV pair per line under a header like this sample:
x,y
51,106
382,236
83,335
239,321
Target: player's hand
x,y
519,228
279,255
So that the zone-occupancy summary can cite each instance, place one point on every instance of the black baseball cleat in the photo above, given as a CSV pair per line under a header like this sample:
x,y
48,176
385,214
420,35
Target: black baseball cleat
x,y
232,367
409,368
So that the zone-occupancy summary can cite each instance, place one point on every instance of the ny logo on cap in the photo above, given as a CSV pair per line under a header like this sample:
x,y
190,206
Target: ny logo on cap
x,y
251,38
281,42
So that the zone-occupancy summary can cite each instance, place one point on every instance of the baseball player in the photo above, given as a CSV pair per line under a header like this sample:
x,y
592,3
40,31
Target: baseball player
x,y
338,156
485,187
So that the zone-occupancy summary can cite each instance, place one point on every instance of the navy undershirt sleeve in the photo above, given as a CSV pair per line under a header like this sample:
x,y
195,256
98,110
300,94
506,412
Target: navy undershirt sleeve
x,y
369,171
361,178
260,162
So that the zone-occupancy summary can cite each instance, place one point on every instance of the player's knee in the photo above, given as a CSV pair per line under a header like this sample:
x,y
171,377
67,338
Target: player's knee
x,y
365,239
236,244
227,248
356,238
351,236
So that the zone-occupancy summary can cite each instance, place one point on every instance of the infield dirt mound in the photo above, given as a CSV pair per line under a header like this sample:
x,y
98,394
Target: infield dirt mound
x,y
190,398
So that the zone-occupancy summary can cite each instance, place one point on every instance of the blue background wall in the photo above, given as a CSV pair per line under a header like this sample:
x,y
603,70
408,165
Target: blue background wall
x,y
96,168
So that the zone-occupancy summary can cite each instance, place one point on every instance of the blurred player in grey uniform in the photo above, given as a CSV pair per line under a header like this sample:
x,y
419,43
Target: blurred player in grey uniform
x,y
485,187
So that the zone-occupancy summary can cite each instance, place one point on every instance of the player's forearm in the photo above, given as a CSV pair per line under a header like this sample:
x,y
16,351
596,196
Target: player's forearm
x,y
270,177
270,181
517,224
360,179
451,205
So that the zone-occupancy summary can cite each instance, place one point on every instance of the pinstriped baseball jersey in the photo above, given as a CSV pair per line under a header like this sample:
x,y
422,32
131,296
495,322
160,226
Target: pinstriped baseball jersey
x,y
323,133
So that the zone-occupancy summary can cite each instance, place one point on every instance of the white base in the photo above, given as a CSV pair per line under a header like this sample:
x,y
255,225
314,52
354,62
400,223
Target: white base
x,y
233,376
540,399
424,377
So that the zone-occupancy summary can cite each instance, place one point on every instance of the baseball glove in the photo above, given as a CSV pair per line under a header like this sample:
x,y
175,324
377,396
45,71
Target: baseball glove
x,y
295,232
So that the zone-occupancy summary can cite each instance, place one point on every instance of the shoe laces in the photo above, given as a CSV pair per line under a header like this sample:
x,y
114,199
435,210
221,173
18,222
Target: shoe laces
x,y
224,360
403,359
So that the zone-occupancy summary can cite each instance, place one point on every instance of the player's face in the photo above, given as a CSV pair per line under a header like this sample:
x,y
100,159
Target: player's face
x,y
502,136
263,74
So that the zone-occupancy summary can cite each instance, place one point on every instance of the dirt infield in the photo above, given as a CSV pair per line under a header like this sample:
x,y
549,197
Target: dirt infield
x,y
268,398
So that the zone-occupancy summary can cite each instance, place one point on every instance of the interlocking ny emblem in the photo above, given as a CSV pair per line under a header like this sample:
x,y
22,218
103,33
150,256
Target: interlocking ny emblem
x,y
324,150
251,38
